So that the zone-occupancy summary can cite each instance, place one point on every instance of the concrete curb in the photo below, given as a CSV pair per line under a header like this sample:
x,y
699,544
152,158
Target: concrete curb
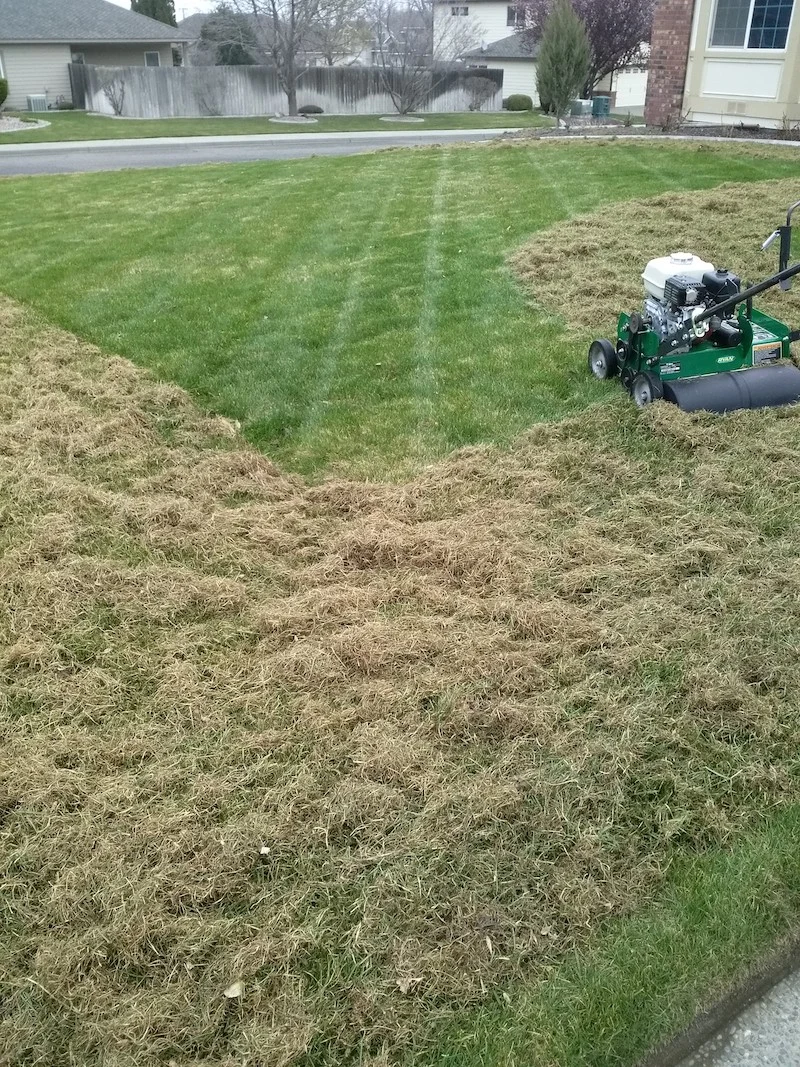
x,y
756,982
666,137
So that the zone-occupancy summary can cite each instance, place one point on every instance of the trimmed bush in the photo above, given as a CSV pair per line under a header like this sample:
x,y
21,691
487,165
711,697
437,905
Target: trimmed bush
x,y
3,90
519,102
310,109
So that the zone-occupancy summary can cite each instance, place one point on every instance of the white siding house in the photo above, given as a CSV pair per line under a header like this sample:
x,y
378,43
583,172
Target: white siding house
x,y
490,27
35,69
40,38
482,21
744,62
515,57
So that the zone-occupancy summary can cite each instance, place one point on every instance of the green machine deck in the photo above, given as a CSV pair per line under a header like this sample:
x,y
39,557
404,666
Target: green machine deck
x,y
699,342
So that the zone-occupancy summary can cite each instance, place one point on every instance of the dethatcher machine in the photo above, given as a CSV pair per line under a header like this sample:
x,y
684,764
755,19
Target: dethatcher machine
x,y
699,342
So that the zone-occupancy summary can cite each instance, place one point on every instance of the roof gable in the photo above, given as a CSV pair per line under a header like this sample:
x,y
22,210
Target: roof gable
x,y
78,22
515,46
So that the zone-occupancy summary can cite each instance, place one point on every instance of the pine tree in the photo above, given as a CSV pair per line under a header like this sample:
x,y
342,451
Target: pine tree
x,y
229,37
562,64
160,10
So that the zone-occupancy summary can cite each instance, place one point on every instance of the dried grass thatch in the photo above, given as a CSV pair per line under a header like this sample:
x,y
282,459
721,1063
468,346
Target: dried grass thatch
x,y
291,768
589,268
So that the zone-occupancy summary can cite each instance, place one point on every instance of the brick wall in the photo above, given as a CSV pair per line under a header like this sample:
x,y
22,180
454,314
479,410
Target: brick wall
x,y
672,28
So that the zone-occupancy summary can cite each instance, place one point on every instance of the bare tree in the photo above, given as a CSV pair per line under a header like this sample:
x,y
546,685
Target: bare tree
x,y
282,29
114,92
414,52
616,29
341,31
480,90
228,39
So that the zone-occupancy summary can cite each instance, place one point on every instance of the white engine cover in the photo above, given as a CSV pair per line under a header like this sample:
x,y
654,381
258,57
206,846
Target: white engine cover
x,y
684,264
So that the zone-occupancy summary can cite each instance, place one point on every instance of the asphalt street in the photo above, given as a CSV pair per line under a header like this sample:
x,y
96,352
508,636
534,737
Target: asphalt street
x,y
72,157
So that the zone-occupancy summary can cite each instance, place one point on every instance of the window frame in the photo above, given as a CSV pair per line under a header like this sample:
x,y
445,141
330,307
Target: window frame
x,y
746,47
2,65
458,10
513,18
152,52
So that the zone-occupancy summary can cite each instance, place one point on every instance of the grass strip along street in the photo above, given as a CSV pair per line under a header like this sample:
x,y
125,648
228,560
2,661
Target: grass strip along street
x,y
81,126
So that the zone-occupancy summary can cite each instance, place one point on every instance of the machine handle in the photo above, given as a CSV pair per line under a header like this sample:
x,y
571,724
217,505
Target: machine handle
x,y
773,237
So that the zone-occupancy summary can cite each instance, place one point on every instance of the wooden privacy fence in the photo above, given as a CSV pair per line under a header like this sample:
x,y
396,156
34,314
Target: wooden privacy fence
x,y
188,92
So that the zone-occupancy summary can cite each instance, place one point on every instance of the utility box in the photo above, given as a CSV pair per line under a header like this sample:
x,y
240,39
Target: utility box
x,y
37,103
601,106
581,107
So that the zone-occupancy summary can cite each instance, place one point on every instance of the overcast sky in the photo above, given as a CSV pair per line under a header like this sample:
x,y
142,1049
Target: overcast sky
x,y
182,7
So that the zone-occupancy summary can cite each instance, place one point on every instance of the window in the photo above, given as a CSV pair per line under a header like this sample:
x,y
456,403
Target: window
x,y
751,23
78,57
2,68
514,17
459,10
152,59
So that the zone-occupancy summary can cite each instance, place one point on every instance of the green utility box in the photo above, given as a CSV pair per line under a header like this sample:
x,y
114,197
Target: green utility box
x,y
601,106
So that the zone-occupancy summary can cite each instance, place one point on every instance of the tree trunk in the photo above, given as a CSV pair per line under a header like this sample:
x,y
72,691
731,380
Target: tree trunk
x,y
291,84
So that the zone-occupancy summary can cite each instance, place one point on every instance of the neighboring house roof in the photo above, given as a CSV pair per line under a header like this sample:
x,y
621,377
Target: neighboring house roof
x,y
78,22
515,46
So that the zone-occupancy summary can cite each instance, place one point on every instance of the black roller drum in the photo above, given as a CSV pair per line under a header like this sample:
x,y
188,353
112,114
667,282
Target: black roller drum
x,y
760,387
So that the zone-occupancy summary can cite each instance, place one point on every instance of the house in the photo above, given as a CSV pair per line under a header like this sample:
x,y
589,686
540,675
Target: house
x,y
627,86
40,38
496,42
725,61
478,22
516,57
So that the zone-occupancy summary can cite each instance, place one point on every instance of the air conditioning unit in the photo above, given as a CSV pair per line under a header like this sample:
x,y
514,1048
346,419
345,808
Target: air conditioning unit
x,y
37,103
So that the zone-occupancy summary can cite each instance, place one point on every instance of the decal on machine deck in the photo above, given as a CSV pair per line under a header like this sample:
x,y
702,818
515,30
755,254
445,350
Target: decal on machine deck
x,y
766,353
766,346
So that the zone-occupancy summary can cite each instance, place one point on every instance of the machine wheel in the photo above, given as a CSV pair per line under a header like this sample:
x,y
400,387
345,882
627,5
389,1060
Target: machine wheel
x,y
645,388
602,359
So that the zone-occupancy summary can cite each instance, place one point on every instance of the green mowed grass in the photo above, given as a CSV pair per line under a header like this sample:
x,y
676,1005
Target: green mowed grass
x,y
643,978
352,313
81,126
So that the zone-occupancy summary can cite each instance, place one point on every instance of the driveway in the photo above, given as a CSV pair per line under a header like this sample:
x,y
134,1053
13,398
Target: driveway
x,y
72,157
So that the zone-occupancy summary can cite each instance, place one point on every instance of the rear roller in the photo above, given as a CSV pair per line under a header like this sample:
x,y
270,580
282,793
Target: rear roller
x,y
602,359
760,387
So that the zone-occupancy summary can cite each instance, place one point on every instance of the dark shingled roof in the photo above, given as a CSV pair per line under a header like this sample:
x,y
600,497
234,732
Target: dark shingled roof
x,y
516,46
78,22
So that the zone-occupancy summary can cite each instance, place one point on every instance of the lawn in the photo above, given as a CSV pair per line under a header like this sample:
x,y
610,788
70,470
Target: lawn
x,y
80,126
493,765
436,773
354,314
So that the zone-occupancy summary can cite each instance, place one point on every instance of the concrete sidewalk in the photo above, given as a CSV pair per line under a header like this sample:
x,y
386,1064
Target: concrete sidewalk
x,y
766,1034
